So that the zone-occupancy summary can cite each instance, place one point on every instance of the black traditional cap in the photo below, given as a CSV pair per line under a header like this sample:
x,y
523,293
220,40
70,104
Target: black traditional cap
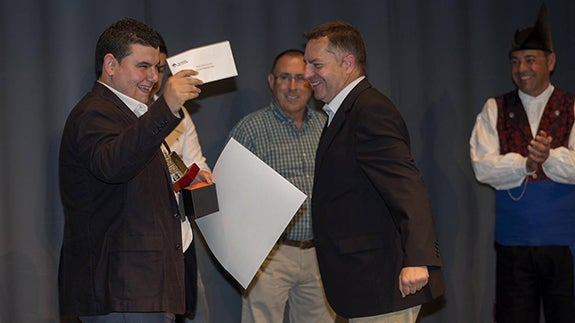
x,y
537,37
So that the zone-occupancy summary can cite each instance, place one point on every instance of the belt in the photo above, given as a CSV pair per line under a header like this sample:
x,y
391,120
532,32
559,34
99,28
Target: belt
x,y
302,244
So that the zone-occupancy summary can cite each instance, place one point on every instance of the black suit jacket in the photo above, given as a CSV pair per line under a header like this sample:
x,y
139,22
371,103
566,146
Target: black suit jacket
x,y
122,248
370,209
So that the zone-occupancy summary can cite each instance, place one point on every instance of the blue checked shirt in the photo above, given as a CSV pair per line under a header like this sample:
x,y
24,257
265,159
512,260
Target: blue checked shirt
x,y
272,136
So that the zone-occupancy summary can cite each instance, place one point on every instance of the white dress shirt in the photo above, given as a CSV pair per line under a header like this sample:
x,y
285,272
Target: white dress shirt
x,y
333,105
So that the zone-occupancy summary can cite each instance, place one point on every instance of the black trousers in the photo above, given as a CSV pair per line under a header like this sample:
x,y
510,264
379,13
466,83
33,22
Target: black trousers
x,y
529,276
191,283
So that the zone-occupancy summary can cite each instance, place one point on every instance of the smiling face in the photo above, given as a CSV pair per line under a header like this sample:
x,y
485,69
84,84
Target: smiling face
x,y
327,70
531,70
135,75
290,89
161,74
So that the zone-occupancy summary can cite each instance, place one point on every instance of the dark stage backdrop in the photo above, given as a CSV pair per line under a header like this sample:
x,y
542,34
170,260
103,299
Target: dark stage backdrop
x,y
437,60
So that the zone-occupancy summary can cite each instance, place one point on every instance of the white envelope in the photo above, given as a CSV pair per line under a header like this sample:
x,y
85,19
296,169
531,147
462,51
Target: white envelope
x,y
212,62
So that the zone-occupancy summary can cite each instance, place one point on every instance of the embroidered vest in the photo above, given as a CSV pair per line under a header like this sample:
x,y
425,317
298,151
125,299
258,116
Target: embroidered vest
x,y
513,125
545,215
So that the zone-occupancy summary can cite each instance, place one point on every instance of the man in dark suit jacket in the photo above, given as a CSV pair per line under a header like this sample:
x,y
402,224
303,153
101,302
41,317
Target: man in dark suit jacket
x,y
374,233
122,254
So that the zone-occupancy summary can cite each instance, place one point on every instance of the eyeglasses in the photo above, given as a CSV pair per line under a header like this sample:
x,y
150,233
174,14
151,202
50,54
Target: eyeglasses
x,y
285,77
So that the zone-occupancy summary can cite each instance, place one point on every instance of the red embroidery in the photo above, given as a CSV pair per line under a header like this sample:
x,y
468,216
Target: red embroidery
x,y
513,125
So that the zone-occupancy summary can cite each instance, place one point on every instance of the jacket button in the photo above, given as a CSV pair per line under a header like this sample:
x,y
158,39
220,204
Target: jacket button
x,y
178,246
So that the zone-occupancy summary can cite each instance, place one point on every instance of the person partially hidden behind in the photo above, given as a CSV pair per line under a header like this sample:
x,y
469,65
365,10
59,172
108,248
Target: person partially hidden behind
x,y
373,229
121,258
184,141
523,146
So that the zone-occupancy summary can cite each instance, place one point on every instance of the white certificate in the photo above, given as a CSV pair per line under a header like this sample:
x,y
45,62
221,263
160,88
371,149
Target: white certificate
x,y
212,62
255,206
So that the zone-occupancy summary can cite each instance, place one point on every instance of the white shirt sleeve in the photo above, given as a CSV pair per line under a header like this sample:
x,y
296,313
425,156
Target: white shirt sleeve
x,y
184,141
490,167
560,166
190,148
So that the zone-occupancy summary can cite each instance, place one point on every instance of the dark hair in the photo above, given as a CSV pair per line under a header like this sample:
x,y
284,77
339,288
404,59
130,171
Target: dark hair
x,y
118,38
343,37
288,52
163,48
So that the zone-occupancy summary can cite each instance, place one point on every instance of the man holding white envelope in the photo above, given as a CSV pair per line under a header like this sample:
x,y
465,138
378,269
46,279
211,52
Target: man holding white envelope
x,y
121,258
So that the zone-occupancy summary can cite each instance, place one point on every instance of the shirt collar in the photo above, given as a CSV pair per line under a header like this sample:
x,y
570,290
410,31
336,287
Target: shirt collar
x,y
336,102
136,106
283,116
544,96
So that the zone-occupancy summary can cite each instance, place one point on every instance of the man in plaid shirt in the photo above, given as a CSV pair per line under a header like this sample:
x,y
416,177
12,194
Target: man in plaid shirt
x,y
285,136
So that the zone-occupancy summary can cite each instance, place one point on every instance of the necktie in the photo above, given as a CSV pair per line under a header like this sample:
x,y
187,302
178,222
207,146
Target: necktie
x,y
329,112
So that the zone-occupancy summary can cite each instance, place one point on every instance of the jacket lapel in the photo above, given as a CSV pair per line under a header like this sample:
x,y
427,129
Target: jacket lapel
x,y
104,92
338,121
